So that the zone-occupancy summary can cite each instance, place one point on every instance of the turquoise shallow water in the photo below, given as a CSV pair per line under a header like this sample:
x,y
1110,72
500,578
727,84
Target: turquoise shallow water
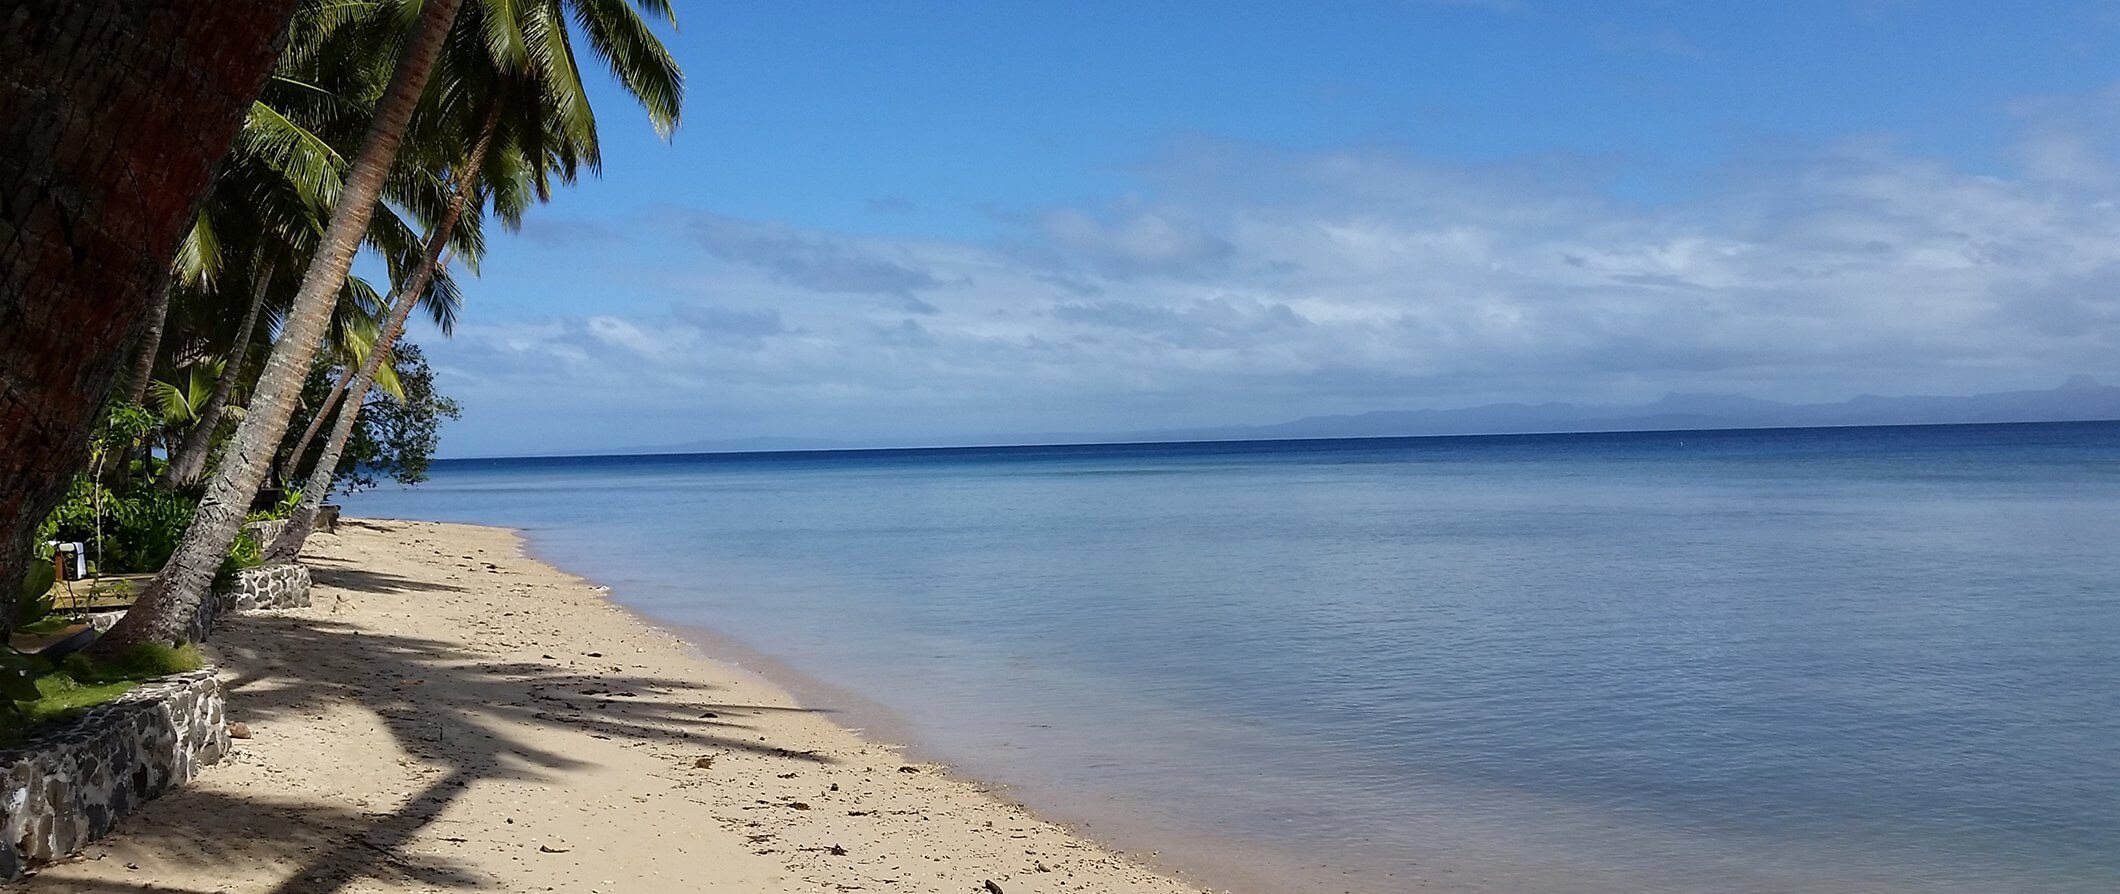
x,y
1796,660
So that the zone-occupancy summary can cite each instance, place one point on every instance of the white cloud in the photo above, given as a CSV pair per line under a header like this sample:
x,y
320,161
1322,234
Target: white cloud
x,y
1257,285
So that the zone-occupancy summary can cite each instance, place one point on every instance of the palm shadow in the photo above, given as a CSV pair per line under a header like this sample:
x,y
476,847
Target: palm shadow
x,y
443,705
362,580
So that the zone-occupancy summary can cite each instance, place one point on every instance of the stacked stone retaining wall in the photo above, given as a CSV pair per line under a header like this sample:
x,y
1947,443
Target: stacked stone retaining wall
x,y
266,587
70,784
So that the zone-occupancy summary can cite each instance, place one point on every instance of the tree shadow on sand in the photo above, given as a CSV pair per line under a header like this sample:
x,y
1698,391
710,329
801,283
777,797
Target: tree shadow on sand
x,y
361,580
446,706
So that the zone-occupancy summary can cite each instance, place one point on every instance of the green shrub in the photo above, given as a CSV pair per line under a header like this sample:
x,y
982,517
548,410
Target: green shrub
x,y
245,552
18,676
139,530
278,511
149,527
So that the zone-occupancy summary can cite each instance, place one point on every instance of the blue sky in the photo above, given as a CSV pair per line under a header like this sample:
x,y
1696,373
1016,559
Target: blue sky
x,y
931,221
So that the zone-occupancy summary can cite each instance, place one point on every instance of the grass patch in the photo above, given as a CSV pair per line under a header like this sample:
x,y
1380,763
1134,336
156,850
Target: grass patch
x,y
142,662
46,625
81,682
64,697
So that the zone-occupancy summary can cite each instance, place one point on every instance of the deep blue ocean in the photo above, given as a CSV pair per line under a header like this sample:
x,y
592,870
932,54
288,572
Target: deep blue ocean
x,y
1800,660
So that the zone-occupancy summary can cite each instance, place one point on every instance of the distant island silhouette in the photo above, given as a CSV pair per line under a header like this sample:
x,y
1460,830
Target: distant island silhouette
x,y
2080,399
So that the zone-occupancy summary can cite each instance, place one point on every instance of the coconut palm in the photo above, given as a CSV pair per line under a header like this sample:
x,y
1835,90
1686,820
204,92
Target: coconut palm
x,y
265,214
189,459
532,38
169,607
514,64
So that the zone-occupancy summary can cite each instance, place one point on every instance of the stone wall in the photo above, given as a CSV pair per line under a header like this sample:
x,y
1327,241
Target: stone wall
x,y
265,587
264,531
69,785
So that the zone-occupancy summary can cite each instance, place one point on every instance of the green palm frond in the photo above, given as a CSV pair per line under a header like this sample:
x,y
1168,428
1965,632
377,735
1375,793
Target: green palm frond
x,y
182,400
199,255
636,56
659,9
386,379
357,351
503,32
318,18
552,61
443,300
303,160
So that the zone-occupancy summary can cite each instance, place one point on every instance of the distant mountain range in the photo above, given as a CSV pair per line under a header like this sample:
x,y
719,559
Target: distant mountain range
x,y
2079,399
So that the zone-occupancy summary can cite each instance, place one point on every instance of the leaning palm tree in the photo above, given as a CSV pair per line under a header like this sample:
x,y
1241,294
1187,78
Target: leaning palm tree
x,y
265,214
513,64
288,544
532,40
188,460
169,609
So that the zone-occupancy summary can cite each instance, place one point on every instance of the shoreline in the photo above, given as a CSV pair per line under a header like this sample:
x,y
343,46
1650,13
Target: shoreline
x,y
1138,839
497,723
1128,833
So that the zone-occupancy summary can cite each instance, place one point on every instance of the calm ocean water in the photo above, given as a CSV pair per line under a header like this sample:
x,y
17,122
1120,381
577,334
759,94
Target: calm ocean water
x,y
1828,660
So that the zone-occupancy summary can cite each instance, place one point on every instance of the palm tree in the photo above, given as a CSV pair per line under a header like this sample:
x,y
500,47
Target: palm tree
x,y
150,346
167,611
519,59
347,371
188,461
288,544
267,210
100,194
533,38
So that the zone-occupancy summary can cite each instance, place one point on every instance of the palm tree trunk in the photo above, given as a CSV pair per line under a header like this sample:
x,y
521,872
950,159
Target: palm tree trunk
x,y
116,113
190,460
301,445
171,608
288,545
150,346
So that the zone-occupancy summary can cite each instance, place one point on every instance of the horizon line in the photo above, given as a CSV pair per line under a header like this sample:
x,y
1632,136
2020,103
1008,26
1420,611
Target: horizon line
x,y
932,448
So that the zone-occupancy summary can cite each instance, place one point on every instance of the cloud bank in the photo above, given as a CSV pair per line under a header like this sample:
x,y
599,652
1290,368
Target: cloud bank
x,y
1241,284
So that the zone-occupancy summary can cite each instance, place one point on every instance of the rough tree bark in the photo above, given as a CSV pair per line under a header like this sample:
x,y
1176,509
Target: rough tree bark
x,y
113,114
150,344
288,545
293,464
166,611
189,462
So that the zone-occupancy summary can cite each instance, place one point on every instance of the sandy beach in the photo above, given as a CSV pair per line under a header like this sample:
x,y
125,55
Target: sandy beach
x,y
453,715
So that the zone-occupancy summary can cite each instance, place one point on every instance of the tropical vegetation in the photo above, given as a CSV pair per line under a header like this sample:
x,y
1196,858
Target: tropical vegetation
x,y
267,374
